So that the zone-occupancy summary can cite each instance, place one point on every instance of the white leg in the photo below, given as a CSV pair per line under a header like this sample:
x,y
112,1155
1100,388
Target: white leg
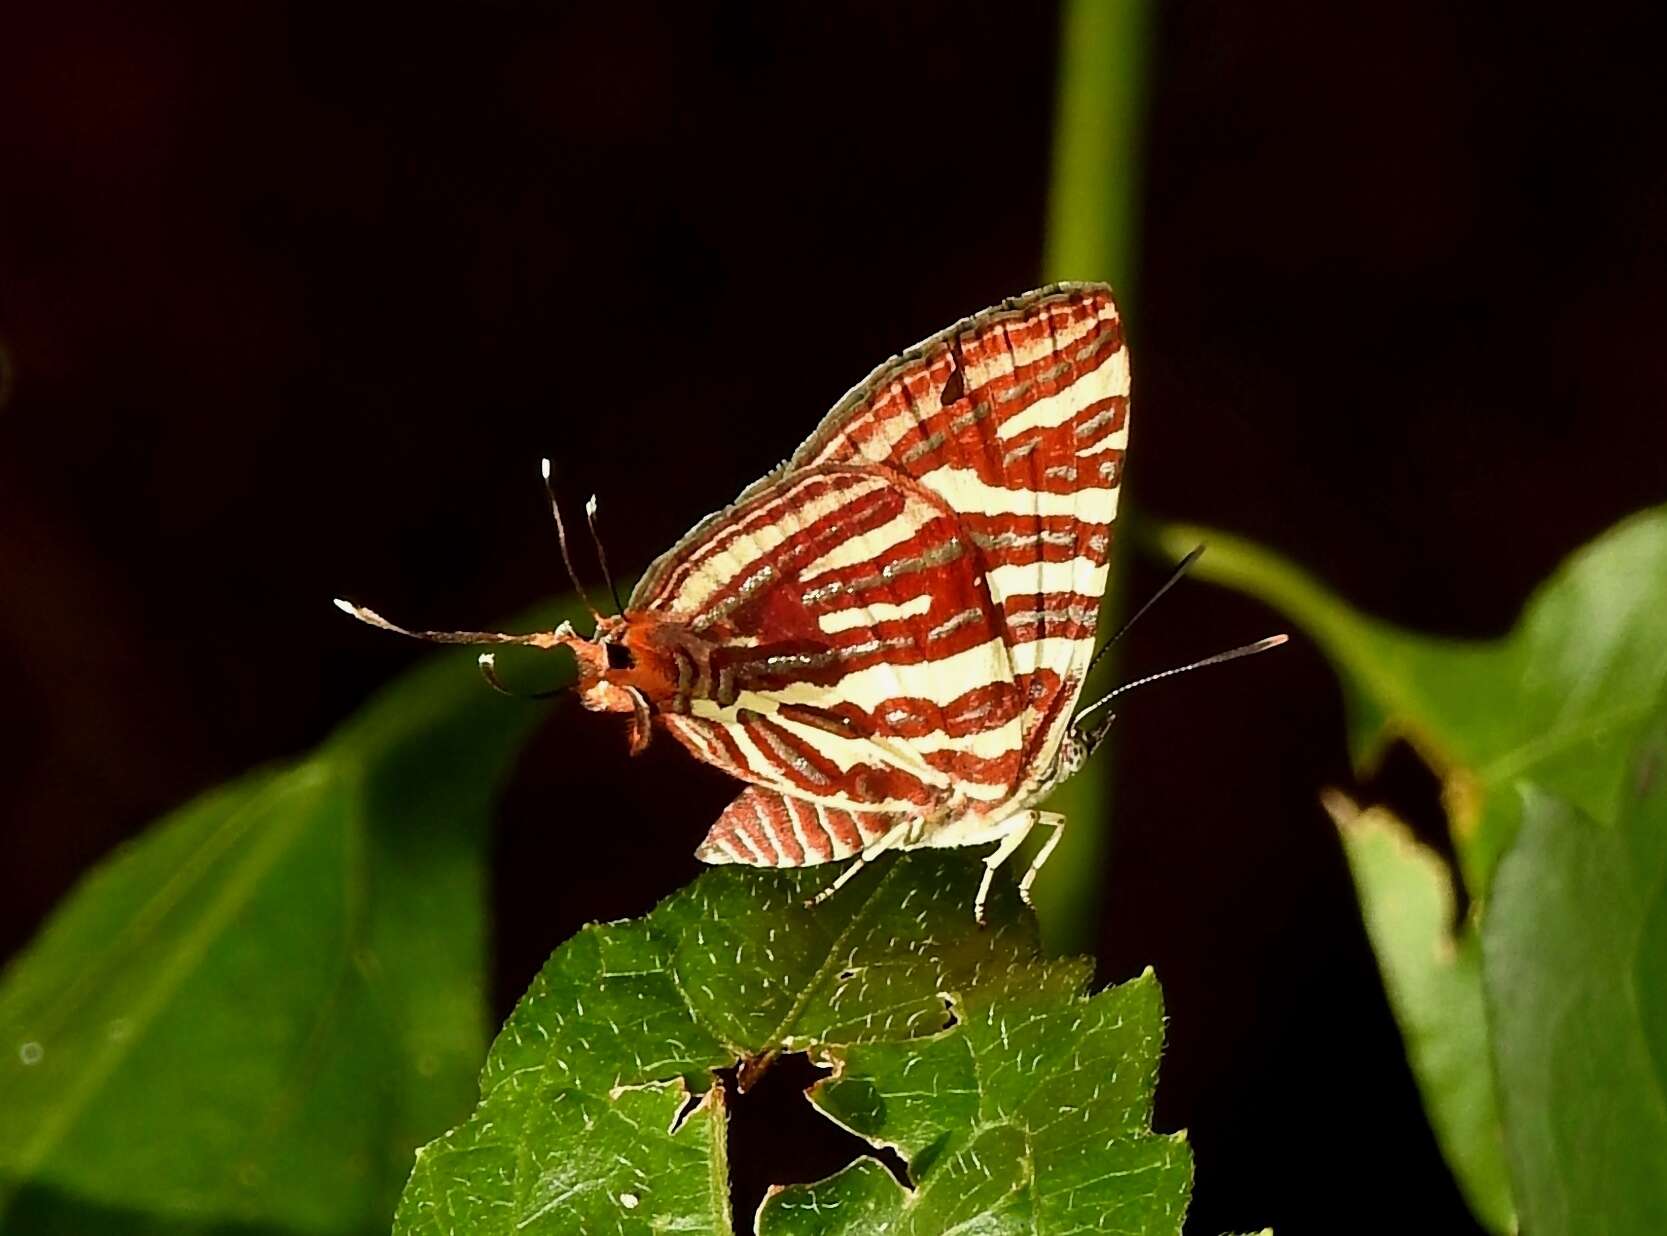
x,y
877,848
1023,823
1055,821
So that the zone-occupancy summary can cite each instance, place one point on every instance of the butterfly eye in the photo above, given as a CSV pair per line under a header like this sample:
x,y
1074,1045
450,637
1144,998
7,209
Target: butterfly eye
x,y
619,656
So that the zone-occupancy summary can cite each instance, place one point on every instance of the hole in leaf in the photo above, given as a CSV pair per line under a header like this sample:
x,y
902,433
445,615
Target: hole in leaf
x,y
777,1137
683,1113
949,1018
845,976
1407,786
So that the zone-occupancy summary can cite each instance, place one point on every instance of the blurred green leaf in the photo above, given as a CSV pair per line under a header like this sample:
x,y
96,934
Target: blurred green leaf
x,y
1558,701
1092,229
1575,959
1434,982
578,1126
248,1018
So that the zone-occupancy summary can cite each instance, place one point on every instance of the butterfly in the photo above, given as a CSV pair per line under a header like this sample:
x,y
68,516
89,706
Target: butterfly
x,y
886,637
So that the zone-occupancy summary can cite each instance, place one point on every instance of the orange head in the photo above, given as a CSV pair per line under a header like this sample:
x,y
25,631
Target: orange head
x,y
623,667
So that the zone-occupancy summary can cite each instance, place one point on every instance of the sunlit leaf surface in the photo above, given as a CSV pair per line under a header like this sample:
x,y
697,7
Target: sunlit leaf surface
x,y
1575,960
1017,1099
249,1017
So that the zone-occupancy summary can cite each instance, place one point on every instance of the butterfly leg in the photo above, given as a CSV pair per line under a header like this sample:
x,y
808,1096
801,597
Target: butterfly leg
x,y
886,840
1048,819
1023,822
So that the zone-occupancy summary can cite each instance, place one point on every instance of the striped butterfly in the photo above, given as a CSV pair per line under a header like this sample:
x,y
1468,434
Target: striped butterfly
x,y
885,637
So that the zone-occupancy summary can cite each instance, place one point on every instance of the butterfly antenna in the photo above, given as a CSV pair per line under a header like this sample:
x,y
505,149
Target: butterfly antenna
x,y
1181,568
1232,654
538,639
489,671
561,535
602,554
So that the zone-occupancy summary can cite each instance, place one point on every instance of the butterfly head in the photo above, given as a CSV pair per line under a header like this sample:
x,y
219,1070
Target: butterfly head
x,y
1081,740
621,669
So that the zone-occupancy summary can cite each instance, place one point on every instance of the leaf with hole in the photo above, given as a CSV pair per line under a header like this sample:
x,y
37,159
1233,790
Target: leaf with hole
x,y
1021,1103
1032,1114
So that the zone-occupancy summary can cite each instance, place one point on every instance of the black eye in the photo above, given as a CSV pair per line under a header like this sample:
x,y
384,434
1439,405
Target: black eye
x,y
619,656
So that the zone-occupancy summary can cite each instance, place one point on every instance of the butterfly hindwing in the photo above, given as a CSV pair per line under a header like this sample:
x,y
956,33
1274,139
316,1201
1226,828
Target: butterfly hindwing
x,y
1018,419
764,829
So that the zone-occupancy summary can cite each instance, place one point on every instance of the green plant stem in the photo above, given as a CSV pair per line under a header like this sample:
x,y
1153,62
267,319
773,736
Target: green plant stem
x,y
1091,234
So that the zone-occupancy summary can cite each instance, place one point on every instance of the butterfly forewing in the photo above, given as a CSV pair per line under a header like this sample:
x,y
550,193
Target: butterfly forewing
x,y
901,616
1018,419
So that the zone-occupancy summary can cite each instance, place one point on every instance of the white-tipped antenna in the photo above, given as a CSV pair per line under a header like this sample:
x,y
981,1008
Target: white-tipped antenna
x,y
1232,654
539,639
488,663
561,536
602,554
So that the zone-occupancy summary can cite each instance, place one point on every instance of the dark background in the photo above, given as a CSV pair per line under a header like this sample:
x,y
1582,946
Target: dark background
x,y
292,299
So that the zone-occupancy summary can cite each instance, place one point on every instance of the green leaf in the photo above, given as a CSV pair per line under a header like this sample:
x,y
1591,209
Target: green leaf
x,y
1033,1114
1575,959
1092,233
250,1016
1560,700
1557,701
589,1118
1434,982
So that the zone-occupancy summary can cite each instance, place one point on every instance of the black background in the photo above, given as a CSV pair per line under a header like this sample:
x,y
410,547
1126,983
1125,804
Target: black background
x,y
294,298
